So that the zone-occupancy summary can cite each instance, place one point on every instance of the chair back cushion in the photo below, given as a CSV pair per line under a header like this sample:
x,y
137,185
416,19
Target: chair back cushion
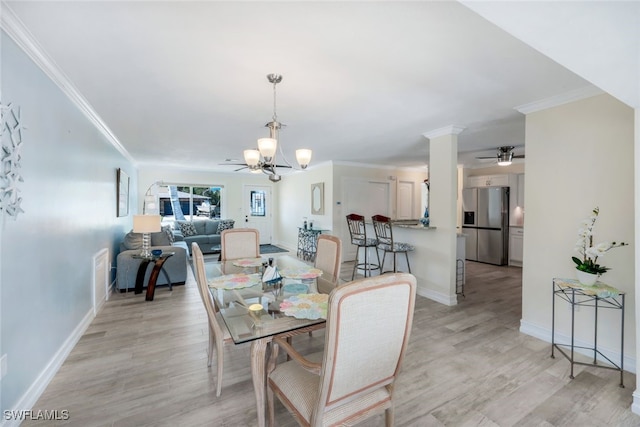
x,y
328,259
368,326
239,243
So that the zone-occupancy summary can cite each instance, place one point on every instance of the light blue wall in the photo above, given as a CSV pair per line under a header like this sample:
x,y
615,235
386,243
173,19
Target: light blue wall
x,y
69,199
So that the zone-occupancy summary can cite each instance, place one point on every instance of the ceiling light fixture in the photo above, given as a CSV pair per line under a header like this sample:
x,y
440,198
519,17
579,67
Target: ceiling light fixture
x,y
264,158
505,157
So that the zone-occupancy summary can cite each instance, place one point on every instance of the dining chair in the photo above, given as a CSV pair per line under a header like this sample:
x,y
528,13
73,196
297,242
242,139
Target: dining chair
x,y
367,330
328,259
384,234
358,232
218,335
239,243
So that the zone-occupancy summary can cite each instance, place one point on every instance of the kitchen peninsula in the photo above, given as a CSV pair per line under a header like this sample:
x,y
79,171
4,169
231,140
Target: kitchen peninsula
x,y
432,267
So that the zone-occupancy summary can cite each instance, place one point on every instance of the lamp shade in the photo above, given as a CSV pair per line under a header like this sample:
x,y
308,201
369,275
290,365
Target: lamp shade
x,y
267,147
303,156
251,157
146,223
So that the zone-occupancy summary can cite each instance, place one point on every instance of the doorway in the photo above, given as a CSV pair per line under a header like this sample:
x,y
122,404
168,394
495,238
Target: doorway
x,y
257,210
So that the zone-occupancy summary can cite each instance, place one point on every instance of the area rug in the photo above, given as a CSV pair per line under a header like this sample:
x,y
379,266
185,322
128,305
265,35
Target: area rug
x,y
271,249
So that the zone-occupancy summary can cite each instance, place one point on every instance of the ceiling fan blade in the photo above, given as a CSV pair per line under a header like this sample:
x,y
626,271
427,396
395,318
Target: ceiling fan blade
x,y
239,169
490,157
519,156
282,166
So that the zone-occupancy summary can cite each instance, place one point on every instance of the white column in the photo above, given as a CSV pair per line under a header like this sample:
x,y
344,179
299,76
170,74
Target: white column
x,y
443,179
635,407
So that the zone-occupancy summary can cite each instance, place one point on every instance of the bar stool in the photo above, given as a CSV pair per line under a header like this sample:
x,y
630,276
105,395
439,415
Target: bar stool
x,y
384,235
359,238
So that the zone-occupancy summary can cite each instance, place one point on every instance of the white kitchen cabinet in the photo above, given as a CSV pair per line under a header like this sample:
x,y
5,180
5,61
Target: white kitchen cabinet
x,y
488,181
516,241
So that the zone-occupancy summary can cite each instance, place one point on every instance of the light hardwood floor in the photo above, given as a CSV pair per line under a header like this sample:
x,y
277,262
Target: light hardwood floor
x,y
145,364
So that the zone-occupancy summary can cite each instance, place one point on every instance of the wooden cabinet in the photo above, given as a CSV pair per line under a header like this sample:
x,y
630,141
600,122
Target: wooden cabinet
x,y
516,241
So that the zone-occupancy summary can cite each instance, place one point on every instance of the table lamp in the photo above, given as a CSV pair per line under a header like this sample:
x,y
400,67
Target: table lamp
x,y
146,224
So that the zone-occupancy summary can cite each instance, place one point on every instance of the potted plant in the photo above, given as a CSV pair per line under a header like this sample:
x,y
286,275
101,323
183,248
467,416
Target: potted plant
x,y
588,269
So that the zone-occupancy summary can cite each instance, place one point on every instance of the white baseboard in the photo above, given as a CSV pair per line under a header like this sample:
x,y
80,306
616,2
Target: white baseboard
x,y
544,334
438,296
31,396
635,406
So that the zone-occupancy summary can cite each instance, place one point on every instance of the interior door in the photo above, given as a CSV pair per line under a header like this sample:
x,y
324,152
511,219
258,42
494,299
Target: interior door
x,y
257,211
405,200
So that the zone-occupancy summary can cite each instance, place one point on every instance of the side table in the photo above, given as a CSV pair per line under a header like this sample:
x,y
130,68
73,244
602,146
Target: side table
x,y
158,262
307,238
599,295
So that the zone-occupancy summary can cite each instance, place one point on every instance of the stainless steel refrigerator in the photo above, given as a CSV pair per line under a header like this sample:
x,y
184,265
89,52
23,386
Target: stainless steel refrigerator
x,y
485,221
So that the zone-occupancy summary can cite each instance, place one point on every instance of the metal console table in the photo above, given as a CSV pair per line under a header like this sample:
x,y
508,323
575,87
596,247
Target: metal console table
x,y
307,238
597,296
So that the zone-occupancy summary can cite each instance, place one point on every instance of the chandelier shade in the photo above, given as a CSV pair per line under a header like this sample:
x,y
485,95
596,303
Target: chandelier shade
x,y
264,158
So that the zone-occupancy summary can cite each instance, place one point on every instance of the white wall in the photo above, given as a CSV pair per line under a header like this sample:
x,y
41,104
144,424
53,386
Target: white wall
x,y
294,204
579,156
69,199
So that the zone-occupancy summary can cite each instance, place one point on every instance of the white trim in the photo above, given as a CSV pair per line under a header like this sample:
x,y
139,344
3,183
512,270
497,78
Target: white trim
x,y
635,406
445,299
12,25
447,130
563,98
544,334
31,396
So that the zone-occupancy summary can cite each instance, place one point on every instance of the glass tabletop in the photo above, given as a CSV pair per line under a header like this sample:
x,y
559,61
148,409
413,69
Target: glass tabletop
x,y
246,325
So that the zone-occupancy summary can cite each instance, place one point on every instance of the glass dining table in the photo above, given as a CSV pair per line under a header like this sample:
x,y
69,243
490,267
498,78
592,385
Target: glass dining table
x,y
255,311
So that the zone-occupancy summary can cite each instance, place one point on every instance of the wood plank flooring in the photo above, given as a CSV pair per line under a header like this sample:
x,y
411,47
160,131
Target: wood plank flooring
x,y
145,364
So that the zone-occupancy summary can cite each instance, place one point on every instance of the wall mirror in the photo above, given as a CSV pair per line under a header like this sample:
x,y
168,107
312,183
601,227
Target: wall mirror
x,y
317,198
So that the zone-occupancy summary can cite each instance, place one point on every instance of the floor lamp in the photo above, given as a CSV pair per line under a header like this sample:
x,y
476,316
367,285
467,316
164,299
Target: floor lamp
x,y
146,224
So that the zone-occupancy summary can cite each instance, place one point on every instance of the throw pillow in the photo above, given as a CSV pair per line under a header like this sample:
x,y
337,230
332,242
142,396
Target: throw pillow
x,y
167,229
132,240
188,229
225,224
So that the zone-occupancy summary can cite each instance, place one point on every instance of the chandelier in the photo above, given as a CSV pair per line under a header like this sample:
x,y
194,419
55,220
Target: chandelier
x,y
264,158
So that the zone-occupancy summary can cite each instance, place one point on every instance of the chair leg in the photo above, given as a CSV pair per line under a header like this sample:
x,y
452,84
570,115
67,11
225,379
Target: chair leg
x,y
406,254
384,257
388,417
366,261
219,363
395,261
355,263
378,256
212,342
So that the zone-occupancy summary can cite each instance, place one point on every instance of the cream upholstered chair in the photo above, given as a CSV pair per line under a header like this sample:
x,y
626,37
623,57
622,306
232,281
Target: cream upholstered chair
x,y
384,234
328,259
218,335
367,331
238,243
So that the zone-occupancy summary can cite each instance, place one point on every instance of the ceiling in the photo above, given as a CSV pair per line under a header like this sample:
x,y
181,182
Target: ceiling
x,y
184,83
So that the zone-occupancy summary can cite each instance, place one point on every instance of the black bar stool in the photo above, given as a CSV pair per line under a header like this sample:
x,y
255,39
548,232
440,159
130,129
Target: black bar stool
x,y
359,238
384,235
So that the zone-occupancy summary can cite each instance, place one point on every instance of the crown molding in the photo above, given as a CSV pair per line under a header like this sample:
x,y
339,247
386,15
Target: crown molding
x,y
447,130
560,99
15,28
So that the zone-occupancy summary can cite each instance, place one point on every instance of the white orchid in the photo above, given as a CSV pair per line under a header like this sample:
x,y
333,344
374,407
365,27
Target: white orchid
x,y
589,252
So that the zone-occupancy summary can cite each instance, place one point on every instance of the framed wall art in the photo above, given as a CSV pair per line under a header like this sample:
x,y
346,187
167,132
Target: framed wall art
x,y
122,183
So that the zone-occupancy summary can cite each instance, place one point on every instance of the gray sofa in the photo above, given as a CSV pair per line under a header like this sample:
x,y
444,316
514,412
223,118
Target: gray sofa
x,y
205,232
127,266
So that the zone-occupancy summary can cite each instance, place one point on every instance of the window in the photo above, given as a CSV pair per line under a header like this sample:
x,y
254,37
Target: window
x,y
190,202
258,203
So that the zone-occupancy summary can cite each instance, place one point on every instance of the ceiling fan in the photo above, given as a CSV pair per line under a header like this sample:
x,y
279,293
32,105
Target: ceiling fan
x,y
504,156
